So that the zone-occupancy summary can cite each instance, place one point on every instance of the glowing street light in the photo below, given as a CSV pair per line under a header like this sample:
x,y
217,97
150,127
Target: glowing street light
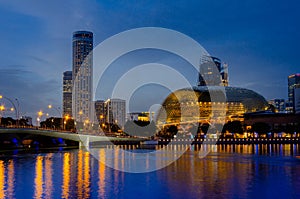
x,y
14,107
66,118
59,112
40,113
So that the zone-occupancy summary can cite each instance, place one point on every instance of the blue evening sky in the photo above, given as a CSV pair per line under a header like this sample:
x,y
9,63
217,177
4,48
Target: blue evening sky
x,y
259,39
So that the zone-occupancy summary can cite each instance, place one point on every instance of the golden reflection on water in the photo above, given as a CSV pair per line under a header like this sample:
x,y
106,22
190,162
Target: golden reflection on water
x,y
2,180
10,179
83,174
48,175
79,175
101,174
219,167
38,181
7,188
86,175
66,176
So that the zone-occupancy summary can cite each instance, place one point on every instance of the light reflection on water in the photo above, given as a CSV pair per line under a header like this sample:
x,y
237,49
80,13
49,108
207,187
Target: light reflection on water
x,y
228,171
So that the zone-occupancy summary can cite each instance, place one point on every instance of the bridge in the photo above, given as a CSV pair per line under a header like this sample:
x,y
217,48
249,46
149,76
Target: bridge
x,y
30,136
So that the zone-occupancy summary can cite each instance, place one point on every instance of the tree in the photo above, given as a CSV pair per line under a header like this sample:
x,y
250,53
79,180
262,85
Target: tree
x,y
52,122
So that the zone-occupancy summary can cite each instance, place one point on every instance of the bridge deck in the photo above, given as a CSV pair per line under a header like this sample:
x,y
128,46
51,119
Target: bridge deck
x,y
67,135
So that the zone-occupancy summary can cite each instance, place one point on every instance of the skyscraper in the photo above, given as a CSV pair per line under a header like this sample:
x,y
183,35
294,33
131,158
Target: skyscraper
x,y
116,112
82,105
279,104
67,93
297,99
212,72
293,82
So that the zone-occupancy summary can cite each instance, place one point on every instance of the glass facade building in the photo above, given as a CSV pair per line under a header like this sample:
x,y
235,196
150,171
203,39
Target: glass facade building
x,y
116,112
195,105
212,72
82,104
100,111
67,93
293,82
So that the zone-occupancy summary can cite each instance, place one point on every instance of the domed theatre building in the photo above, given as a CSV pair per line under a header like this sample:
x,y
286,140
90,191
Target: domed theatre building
x,y
202,104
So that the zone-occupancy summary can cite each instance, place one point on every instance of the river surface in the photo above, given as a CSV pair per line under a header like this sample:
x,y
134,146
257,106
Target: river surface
x,y
227,171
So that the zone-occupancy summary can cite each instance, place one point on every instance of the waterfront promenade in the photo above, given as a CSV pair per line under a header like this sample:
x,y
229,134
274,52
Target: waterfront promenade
x,y
21,136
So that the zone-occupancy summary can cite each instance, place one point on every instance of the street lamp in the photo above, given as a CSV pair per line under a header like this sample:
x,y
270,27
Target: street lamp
x,y
40,113
16,110
38,119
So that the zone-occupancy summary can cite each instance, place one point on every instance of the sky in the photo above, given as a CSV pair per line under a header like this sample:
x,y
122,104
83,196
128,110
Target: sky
x,y
259,39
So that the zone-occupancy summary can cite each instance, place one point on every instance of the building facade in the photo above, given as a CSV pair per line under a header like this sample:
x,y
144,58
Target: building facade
x,y
116,112
140,116
67,93
82,105
297,99
100,111
212,72
194,105
293,82
279,104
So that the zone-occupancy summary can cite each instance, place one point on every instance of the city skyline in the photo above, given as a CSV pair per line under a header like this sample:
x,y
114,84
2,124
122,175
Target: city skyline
x,y
259,44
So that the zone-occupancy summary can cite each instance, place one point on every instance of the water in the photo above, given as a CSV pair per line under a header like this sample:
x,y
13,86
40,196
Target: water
x,y
241,171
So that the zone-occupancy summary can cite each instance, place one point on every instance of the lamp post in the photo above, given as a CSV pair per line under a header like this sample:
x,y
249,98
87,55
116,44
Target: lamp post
x,y
59,112
16,109
2,108
38,119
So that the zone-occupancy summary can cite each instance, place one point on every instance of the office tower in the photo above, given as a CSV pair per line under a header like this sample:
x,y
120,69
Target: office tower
x,y
224,74
279,104
212,72
100,111
297,99
293,82
82,105
67,93
116,112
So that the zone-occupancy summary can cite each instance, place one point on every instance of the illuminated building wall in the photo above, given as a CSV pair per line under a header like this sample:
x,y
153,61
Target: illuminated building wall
x,y
82,76
293,82
116,111
297,99
187,109
212,72
67,93
100,111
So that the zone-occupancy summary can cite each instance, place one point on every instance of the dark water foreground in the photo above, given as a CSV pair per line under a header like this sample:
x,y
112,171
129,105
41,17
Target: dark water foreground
x,y
228,171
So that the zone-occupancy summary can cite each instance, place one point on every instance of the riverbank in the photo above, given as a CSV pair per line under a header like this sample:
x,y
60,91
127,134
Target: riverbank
x,y
295,140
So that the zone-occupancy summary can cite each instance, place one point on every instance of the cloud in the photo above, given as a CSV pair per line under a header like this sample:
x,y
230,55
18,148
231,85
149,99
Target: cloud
x,y
32,92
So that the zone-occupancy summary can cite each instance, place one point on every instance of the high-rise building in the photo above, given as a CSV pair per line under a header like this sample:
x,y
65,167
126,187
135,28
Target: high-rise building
x,y
279,104
297,99
82,105
67,93
293,82
100,111
212,72
116,112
